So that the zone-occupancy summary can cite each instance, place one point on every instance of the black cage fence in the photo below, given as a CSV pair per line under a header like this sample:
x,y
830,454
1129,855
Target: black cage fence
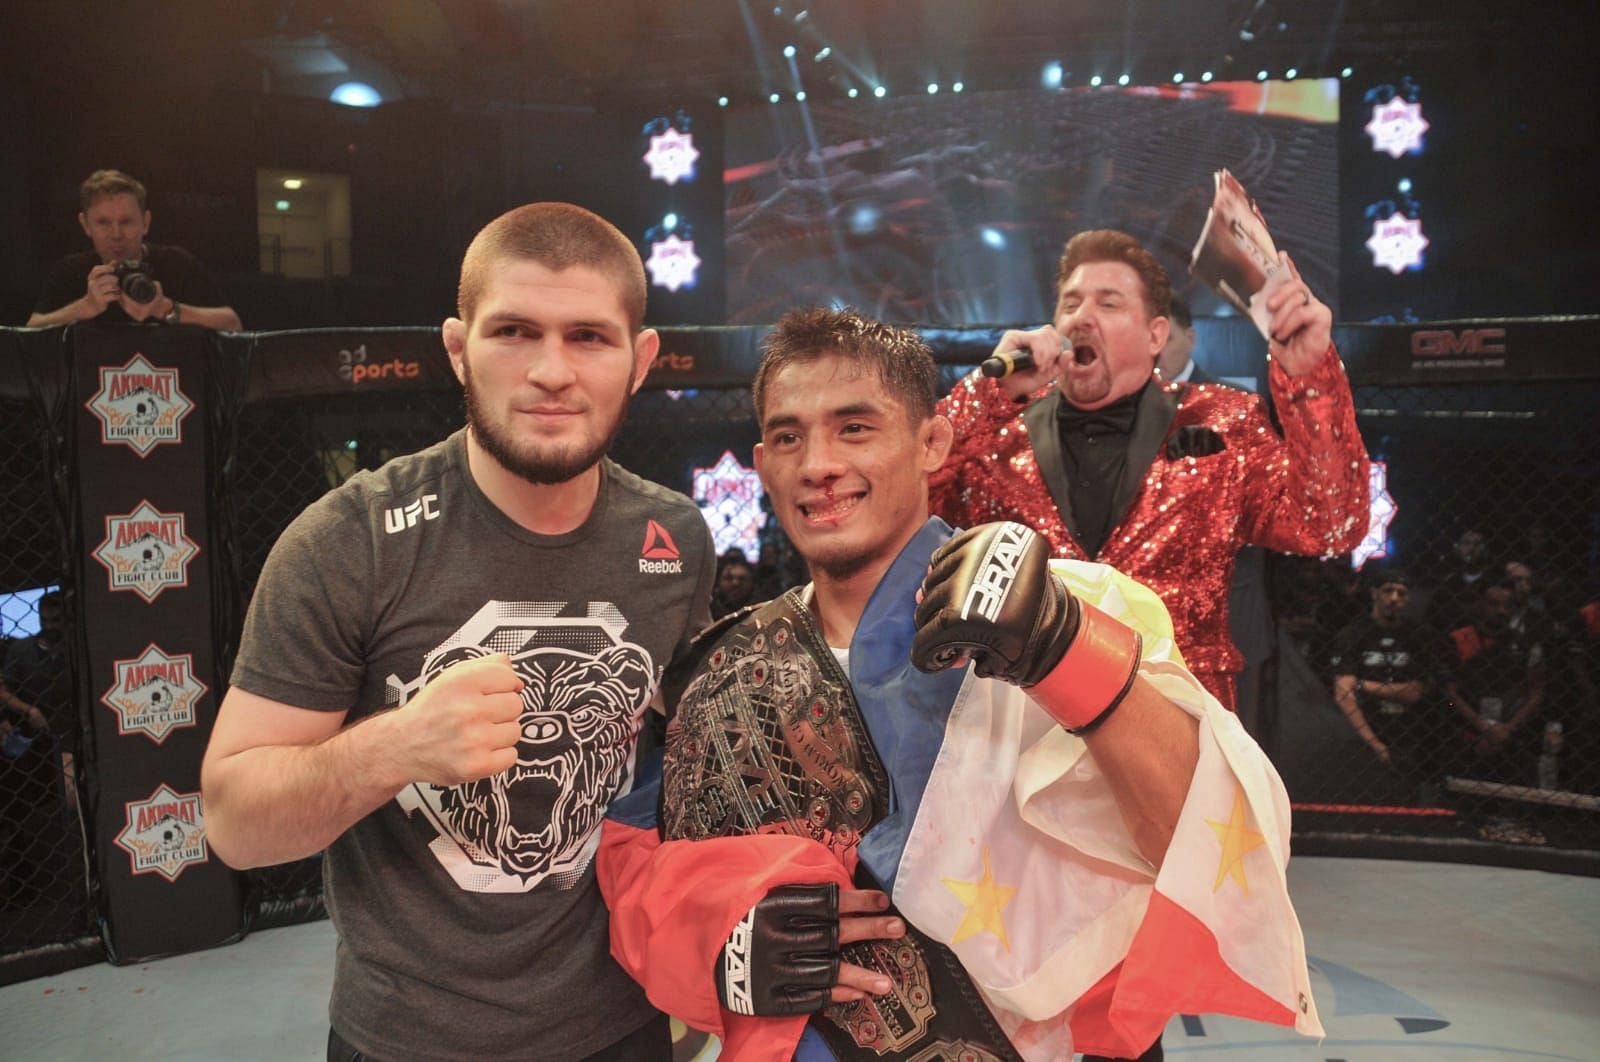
x,y
1460,723
1446,689
44,884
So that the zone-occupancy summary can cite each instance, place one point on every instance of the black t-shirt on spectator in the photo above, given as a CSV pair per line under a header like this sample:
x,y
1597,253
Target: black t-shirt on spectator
x,y
1403,653
182,278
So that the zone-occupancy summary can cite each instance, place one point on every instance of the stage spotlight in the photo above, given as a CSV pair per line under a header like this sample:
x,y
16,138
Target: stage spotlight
x,y
772,98
1095,81
356,94
1404,185
722,101
1123,80
994,238
1206,76
1177,79
294,184
880,92
802,16
1346,72
958,86
821,55
801,95
788,51
669,222
1261,75
1050,76
1291,73
853,93
933,88
282,204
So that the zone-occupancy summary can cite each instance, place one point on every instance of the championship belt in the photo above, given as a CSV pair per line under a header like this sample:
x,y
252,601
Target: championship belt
x,y
767,738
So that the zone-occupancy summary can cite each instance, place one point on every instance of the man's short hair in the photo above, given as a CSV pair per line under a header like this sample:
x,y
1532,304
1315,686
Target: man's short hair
x,y
1386,576
557,236
899,356
1109,245
102,183
733,557
1179,313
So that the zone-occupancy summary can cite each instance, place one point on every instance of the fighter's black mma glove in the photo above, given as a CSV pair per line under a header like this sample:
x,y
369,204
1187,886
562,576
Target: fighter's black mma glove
x,y
783,956
990,594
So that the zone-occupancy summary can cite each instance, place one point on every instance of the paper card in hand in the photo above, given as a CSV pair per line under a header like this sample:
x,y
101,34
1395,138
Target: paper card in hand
x,y
1235,254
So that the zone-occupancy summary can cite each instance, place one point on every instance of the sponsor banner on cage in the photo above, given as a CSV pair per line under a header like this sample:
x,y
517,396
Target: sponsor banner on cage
x,y
1541,348
144,494
139,405
164,833
345,361
155,693
146,551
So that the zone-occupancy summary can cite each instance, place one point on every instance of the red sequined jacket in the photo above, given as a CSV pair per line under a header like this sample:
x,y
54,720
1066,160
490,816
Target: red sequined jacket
x,y
1184,504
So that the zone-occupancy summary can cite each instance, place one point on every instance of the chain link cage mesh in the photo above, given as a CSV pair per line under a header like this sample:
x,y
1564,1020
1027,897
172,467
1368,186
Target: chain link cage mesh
x,y
1446,688
44,900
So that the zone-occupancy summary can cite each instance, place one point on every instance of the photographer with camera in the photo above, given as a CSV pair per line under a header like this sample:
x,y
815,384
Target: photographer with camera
x,y
125,279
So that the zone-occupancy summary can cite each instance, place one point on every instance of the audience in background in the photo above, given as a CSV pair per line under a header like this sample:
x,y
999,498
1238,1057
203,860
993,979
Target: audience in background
x,y
36,691
1387,672
1457,581
1496,687
38,740
1176,363
735,585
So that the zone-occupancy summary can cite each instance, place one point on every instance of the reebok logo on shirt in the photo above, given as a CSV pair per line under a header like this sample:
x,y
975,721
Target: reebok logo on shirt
x,y
659,554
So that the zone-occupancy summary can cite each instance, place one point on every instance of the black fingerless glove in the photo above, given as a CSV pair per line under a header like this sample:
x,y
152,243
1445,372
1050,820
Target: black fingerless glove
x,y
783,956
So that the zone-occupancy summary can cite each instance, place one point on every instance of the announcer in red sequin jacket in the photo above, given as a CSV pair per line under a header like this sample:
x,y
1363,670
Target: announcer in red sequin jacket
x,y
1163,482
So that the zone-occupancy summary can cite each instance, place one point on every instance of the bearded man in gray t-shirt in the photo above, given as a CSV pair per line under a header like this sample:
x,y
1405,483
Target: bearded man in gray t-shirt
x,y
445,667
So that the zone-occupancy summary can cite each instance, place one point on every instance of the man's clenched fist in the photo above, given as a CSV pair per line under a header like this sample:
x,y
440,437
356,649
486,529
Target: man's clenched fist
x,y
465,724
989,595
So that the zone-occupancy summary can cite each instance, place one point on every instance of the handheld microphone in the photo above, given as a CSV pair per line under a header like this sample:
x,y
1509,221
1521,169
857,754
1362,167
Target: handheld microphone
x,y
1006,362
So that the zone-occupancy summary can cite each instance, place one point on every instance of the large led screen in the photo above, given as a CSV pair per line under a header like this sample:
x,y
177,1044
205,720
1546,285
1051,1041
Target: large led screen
x,y
952,209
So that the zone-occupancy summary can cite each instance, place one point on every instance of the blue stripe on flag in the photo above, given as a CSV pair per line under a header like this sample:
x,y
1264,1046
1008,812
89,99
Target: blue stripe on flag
x,y
813,1048
638,806
905,709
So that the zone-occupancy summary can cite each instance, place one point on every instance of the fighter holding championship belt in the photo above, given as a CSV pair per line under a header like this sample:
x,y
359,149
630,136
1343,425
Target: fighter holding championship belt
x,y
862,847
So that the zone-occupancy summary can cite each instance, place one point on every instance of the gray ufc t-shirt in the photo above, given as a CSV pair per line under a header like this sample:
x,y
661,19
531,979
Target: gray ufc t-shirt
x,y
470,923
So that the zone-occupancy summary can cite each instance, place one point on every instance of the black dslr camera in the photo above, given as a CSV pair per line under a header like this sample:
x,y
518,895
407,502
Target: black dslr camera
x,y
137,284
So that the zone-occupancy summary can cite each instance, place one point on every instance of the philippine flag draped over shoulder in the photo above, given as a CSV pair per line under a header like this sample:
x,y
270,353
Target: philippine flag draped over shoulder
x,y
1019,860
1004,841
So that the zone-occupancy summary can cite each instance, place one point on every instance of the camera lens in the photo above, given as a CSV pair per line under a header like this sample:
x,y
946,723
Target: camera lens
x,y
136,284
139,287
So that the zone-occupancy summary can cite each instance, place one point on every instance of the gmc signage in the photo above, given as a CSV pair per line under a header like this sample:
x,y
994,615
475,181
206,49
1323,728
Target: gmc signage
x,y
1470,342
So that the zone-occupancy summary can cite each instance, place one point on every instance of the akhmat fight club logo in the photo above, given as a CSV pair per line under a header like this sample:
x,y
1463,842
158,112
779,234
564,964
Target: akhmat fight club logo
x,y
154,694
164,833
146,551
139,406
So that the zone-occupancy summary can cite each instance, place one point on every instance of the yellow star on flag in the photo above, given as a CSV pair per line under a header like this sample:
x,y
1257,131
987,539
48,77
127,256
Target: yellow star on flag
x,y
985,900
1237,841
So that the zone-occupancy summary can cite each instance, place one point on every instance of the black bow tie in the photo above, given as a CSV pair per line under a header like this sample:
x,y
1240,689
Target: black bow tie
x,y
1117,418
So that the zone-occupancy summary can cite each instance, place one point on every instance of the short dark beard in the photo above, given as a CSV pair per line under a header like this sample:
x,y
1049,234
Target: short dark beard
x,y
542,470
841,570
